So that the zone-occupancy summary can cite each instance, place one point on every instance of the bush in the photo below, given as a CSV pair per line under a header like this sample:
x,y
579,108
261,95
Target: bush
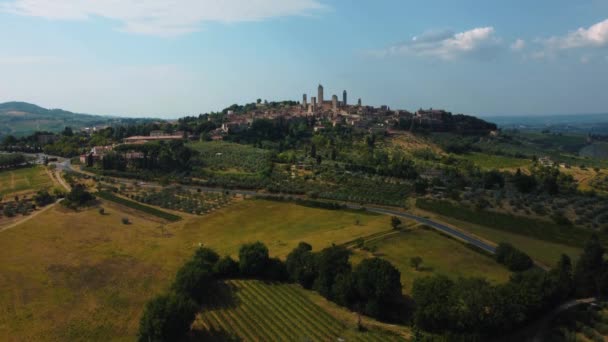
x,y
125,220
166,318
513,258
226,268
253,259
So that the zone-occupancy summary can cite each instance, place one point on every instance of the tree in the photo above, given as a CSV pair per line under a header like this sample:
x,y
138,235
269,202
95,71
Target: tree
x,y
196,277
226,268
253,259
513,258
313,151
434,302
377,286
43,198
395,222
331,262
590,269
78,197
301,265
415,262
166,318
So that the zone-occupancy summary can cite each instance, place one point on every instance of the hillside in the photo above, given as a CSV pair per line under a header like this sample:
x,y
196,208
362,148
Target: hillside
x,y
22,118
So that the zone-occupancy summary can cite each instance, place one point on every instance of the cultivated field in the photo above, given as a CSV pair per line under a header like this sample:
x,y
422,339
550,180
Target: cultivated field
x,y
257,311
489,161
21,180
84,276
440,255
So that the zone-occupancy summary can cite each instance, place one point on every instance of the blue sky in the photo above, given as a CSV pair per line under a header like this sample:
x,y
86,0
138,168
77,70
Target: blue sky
x,y
169,58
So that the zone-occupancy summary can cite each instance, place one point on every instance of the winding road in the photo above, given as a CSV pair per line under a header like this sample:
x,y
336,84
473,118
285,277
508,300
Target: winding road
x,y
458,234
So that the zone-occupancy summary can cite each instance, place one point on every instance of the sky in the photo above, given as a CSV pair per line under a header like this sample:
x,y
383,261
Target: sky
x,y
171,58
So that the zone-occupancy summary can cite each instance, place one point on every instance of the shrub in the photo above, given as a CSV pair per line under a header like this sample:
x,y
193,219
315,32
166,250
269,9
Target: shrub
x,y
125,220
253,259
226,268
513,258
166,318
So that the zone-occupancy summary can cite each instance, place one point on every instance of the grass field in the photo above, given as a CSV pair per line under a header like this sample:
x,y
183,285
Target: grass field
x,y
257,311
84,276
24,179
488,161
534,228
73,276
440,255
543,251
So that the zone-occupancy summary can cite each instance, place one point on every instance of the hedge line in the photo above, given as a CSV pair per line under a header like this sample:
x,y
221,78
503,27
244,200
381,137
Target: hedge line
x,y
542,230
138,206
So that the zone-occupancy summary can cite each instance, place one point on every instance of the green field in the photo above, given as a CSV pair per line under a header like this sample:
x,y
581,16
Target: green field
x,y
489,161
230,157
538,229
253,310
440,255
24,179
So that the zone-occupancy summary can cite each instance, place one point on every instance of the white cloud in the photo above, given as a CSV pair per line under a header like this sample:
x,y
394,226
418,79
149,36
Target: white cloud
x,y
163,17
518,45
594,36
446,45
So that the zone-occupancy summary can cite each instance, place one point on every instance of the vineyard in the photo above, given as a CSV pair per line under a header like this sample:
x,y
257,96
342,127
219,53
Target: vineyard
x,y
184,200
227,157
257,311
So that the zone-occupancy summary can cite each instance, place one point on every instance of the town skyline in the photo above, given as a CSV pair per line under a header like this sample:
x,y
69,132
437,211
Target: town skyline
x,y
170,59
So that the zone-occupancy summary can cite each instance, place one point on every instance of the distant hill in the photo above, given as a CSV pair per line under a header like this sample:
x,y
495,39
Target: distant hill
x,y
583,123
22,118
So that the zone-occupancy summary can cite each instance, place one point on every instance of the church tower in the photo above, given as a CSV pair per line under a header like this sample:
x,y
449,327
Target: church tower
x,y
320,95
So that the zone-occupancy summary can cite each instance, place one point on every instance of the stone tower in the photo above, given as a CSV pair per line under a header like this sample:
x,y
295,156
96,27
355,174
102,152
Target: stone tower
x,y
304,101
359,102
344,102
334,102
320,95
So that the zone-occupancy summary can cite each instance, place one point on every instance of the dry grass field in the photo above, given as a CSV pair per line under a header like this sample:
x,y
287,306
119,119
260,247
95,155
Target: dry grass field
x,y
83,276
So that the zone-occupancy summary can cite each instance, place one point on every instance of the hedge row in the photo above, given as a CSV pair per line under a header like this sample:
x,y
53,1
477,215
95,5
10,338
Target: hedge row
x,y
542,230
138,206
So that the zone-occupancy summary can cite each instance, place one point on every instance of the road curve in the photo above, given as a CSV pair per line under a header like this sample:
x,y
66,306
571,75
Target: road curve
x,y
458,234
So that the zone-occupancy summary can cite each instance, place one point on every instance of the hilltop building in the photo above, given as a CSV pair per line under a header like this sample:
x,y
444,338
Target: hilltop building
x,y
344,102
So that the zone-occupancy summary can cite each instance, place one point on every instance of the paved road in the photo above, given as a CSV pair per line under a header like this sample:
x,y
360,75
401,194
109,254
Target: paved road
x,y
461,235
433,224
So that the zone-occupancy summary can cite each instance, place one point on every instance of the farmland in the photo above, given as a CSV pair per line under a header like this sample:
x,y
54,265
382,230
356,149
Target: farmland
x,y
29,179
489,161
67,275
259,311
440,255
69,278
231,157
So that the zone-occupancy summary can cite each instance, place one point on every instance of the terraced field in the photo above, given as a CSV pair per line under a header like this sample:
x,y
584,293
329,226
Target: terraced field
x,y
257,311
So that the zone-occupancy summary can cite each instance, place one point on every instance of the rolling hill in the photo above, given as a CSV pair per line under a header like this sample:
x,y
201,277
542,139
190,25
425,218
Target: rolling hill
x,y
22,118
